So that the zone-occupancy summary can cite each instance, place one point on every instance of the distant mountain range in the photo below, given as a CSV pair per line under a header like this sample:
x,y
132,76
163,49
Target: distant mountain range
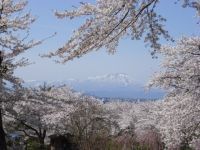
x,y
111,86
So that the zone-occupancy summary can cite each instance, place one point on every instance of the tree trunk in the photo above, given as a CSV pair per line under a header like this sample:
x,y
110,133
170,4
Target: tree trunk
x,y
41,141
2,134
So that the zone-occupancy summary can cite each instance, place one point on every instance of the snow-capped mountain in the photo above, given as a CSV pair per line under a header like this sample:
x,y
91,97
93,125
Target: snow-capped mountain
x,y
119,78
111,85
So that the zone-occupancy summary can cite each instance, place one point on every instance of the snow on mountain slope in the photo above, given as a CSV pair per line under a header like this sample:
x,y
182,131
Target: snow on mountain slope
x,y
110,85
119,78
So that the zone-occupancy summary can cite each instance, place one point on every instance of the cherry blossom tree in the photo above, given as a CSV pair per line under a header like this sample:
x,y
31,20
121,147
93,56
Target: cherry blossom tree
x,y
180,76
91,123
140,120
14,26
42,111
107,21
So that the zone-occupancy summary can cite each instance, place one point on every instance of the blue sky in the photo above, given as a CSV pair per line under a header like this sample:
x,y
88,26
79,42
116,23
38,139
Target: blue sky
x,y
132,57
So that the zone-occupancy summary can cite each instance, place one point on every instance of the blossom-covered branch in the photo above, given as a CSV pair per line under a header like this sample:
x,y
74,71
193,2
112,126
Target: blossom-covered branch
x,y
107,21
